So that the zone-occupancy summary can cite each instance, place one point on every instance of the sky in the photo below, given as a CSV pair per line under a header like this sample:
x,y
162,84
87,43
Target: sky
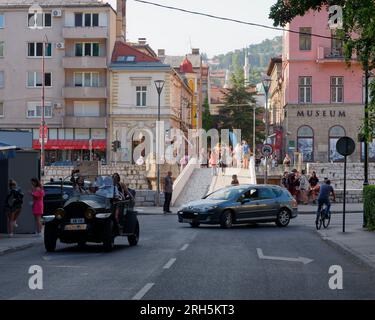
x,y
178,32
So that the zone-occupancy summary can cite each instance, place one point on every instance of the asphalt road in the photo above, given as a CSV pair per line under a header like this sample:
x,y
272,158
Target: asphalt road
x,y
174,261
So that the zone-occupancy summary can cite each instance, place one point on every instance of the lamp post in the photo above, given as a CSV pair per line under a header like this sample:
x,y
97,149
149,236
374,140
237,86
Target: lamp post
x,y
266,86
159,84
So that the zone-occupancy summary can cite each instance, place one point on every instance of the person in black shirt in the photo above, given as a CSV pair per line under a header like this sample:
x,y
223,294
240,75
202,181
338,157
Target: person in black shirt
x,y
13,205
314,186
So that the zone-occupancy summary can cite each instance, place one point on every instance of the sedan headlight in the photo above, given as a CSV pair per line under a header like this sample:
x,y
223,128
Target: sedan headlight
x,y
59,213
89,213
207,208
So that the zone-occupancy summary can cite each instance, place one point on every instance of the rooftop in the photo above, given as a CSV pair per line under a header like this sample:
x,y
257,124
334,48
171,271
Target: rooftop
x,y
175,61
52,3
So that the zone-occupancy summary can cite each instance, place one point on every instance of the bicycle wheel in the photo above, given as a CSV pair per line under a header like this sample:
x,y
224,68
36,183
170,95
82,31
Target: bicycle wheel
x,y
318,222
326,220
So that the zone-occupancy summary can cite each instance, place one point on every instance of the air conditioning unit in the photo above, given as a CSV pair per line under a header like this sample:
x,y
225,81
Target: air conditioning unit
x,y
60,45
57,105
56,13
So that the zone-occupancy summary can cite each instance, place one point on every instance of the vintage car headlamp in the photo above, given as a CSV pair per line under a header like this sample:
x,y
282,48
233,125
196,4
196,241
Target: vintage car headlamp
x,y
89,213
59,213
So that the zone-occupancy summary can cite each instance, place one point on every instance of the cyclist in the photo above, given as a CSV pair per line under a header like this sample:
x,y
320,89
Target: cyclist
x,y
324,194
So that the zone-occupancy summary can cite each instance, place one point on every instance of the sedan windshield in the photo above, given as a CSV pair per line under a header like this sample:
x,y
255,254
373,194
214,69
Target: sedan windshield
x,y
226,193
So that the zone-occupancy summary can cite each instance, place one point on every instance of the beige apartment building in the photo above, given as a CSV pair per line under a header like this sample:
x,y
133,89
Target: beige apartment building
x,y
78,37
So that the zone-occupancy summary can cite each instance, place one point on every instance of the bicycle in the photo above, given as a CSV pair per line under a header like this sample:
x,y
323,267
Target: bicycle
x,y
324,218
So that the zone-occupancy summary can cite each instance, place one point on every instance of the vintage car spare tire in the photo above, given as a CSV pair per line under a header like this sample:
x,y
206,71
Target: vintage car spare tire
x,y
133,239
108,237
50,237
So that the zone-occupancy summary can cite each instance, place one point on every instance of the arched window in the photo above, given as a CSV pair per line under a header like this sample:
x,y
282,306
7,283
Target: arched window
x,y
305,143
335,133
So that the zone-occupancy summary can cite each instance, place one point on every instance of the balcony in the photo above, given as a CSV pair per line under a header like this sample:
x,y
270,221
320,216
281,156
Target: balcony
x,y
71,121
85,92
85,32
84,62
332,55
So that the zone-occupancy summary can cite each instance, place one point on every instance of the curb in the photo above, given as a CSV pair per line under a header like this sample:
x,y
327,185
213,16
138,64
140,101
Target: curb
x,y
14,249
358,257
332,212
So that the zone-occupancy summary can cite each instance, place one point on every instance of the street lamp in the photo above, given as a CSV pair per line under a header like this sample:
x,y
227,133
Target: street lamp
x,y
266,86
159,84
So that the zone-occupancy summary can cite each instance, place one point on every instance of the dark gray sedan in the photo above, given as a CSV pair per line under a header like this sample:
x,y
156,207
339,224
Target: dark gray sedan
x,y
241,204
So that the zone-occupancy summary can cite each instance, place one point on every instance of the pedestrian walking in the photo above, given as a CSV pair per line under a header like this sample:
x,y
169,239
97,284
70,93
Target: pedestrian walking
x,y
238,155
284,180
314,187
303,187
245,154
286,162
293,183
213,162
168,189
13,206
235,181
38,194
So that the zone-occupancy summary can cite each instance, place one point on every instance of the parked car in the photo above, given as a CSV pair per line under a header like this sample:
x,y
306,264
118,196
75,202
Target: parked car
x,y
241,204
91,218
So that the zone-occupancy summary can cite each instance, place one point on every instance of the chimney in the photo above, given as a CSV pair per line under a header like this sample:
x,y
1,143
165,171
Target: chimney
x,y
161,53
121,20
142,41
195,51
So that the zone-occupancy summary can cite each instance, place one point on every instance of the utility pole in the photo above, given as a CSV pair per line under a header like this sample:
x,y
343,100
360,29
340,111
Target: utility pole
x,y
43,122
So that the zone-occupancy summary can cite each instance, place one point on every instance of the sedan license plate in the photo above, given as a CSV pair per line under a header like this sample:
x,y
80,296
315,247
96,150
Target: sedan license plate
x,y
75,227
77,220
187,220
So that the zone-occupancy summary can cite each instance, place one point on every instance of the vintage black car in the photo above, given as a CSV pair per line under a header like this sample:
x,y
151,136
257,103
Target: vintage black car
x,y
91,218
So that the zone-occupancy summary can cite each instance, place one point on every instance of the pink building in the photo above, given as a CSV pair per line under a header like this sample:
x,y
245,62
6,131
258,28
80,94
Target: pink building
x,y
322,96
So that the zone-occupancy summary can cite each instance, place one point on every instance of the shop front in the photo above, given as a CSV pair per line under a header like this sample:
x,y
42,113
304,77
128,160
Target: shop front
x,y
313,131
64,152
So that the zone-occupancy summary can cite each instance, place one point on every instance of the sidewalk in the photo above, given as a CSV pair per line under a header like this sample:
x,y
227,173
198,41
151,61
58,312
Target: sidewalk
x,y
143,211
356,241
18,242
335,208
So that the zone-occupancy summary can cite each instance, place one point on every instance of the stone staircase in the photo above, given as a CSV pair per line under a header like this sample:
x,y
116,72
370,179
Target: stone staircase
x,y
197,186
223,180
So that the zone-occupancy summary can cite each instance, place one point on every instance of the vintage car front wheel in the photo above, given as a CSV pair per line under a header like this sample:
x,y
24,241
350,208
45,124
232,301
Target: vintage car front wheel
x,y
50,237
108,237
133,239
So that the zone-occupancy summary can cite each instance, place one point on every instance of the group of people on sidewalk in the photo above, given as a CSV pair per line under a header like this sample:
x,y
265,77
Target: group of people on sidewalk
x,y
14,203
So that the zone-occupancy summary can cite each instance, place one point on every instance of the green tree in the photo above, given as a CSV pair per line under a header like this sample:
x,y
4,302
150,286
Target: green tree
x,y
207,118
237,111
357,34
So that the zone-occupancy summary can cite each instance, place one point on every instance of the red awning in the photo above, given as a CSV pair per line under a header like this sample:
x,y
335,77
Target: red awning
x,y
71,144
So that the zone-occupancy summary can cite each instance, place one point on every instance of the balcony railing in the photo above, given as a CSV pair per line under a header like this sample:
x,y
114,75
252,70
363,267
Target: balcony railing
x,y
332,54
85,92
85,32
84,62
73,121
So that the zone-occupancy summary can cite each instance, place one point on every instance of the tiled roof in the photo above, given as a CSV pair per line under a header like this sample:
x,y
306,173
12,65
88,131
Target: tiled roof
x,y
175,61
61,3
122,49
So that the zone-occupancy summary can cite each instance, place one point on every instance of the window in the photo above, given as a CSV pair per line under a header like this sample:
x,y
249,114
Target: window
x,y
69,134
61,134
34,79
305,38
126,59
337,89
305,89
2,49
82,134
1,109
335,133
39,20
265,193
364,89
371,151
86,79
34,110
2,79
52,134
141,96
86,19
35,49
98,134
86,108
83,49
305,143
2,24
336,45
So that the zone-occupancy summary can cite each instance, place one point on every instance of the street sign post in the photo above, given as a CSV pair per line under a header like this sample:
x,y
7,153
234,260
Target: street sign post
x,y
345,146
267,150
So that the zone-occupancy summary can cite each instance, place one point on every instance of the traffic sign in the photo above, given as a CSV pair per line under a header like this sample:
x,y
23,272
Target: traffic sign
x,y
43,133
345,146
267,150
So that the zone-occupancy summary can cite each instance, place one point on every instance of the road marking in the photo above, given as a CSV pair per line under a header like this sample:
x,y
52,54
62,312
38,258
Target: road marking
x,y
184,247
170,263
143,291
299,259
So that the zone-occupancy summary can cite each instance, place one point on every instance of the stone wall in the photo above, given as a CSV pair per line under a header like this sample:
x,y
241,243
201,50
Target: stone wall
x,y
133,175
352,196
147,198
335,172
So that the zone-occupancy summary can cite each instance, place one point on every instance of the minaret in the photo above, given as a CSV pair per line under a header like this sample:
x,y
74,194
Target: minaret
x,y
246,69
227,80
